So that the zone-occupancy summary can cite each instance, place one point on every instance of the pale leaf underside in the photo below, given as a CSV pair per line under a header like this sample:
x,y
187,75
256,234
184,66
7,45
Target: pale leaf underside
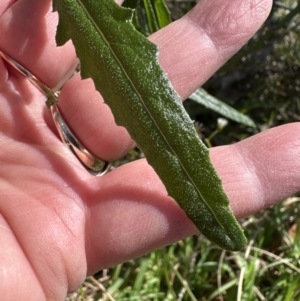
x,y
124,67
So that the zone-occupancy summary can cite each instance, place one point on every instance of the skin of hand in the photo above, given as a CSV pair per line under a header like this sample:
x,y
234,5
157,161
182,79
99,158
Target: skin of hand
x,y
58,224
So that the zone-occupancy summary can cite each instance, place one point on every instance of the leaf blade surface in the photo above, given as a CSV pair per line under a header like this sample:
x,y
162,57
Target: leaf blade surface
x,y
203,98
124,67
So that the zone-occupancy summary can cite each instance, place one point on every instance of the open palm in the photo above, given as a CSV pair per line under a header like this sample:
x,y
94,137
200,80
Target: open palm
x,y
58,223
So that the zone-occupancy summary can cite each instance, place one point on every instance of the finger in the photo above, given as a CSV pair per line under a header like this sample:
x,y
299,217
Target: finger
x,y
262,170
92,121
27,34
42,202
194,47
135,214
32,43
15,269
129,215
191,50
5,4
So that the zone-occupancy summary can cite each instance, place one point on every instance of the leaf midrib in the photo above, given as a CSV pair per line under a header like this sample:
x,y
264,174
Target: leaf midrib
x,y
148,112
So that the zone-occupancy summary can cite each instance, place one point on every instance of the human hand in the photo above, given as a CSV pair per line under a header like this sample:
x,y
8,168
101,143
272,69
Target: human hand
x,y
57,222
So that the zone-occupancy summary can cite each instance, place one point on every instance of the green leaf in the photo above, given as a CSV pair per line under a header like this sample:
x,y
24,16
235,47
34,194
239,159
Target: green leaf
x,y
141,20
150,15
216,105
162,13
125,70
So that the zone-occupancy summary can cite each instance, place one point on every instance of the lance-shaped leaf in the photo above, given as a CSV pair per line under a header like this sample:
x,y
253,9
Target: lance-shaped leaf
x,y
125,70
150,15
202,97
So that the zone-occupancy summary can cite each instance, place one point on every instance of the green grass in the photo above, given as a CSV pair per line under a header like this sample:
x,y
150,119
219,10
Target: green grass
x,y
195,269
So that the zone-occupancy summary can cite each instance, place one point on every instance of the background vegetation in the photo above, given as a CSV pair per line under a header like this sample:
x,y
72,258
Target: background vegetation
x,y
262,81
